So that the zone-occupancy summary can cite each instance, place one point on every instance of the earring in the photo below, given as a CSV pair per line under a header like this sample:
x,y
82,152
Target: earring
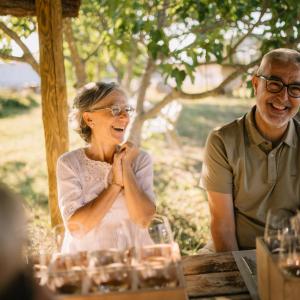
x,y
92,125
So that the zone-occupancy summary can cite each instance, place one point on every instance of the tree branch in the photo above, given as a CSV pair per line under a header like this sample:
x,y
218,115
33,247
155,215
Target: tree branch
x,y
218,90
154,111
11,57
27,54
92,53
232,49
77,62
178,94
205,29
117,70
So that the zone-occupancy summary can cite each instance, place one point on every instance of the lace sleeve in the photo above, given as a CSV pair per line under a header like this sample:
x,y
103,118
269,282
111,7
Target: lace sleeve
x,y
144,174
70,193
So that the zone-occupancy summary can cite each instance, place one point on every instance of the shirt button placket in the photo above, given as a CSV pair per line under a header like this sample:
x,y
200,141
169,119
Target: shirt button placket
x,y
272,173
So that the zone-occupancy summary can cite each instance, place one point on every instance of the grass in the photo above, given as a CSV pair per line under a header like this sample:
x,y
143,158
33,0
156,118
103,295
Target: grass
x,y
176,169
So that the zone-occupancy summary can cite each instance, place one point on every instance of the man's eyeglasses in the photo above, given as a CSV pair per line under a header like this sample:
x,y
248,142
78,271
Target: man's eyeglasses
x,y
117,110
276,85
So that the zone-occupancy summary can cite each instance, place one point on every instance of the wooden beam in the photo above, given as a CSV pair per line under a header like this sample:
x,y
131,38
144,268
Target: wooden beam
x,y
24,8
54,94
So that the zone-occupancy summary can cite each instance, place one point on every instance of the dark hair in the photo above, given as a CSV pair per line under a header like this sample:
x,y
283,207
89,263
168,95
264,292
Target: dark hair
x,y
87,97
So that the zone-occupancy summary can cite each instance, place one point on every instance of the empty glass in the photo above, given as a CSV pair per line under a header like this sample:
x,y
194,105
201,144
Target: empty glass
x,y
160,230
66,273
277,224
105,257
157,274
74,228
66,282
116,277
289,255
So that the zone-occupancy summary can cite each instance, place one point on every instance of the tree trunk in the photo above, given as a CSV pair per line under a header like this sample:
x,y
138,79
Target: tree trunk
x,y
144,86
79,65
136,131
129,71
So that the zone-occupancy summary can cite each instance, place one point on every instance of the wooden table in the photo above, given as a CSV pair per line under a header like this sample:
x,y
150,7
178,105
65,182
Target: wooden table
x,y
213,276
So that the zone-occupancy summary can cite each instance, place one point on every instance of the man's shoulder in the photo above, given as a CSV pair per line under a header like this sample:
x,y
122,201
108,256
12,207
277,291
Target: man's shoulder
x,y
231,130
297,123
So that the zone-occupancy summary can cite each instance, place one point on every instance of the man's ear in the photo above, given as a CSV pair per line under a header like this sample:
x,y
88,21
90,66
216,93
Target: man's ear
x,y
254,84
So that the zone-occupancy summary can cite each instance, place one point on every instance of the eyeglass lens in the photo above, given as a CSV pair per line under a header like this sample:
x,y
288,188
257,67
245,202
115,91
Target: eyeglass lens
x,y
275,86
117,110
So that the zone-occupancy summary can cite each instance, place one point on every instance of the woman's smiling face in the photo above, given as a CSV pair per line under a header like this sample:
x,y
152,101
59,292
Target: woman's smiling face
x,y
104,125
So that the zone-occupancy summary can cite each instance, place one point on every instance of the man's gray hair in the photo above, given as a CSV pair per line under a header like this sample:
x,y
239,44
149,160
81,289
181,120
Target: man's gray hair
x,y
284,55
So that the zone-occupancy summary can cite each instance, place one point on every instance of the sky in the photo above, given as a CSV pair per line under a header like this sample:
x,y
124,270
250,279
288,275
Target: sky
x,y
31,42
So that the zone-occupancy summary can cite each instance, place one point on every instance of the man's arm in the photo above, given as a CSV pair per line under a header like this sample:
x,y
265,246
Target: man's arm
x,y
222,221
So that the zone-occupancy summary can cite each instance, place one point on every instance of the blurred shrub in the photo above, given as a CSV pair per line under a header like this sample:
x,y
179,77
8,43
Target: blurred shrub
x,y
12,104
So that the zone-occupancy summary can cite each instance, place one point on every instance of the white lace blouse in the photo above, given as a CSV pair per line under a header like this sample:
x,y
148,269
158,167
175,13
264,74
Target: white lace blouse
x,y
80,180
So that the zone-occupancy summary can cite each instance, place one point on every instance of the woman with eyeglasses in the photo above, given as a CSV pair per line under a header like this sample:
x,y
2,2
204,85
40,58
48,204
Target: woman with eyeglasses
x,y
106,187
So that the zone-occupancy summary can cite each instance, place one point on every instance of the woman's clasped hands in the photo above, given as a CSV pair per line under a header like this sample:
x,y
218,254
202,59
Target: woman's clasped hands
x,y
122,162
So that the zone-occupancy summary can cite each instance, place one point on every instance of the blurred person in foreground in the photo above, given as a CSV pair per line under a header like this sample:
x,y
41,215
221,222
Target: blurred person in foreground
x,y
252,164
16,278
109,182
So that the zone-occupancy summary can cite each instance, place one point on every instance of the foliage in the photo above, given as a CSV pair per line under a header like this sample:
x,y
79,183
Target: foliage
x,y
180,35
173,38
13,104
177,34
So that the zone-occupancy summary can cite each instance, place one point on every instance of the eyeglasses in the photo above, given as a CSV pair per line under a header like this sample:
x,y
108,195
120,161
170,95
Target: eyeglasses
x,y
117,110
276,85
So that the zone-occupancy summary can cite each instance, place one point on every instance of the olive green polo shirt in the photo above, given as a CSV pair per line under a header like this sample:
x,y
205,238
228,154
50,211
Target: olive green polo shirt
x,y
239,161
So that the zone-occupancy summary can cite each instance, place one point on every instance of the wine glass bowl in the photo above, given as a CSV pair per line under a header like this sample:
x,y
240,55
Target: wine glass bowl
x,y
277,225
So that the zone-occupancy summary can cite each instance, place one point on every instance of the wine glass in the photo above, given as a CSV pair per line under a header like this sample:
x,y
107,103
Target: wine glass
x,y
295,223
157,274
160,230
289,254
277,224
75,229
110,278
39,250
158,243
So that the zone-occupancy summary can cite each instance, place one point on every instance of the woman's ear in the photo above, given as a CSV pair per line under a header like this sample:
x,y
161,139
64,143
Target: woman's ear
x,y
87,119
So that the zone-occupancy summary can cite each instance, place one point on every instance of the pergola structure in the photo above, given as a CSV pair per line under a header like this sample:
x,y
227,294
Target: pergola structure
x,y
49,15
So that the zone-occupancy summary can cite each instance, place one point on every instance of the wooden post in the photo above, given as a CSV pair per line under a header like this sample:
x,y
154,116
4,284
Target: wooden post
x,y
54,94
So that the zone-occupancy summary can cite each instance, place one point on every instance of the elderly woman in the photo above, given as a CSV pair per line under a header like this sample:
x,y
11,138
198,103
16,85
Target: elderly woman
x,y
108,184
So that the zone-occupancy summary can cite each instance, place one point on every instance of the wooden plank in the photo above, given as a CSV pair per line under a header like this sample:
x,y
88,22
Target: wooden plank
x,y
22,8
262,262
208,263
174,294
227,297
54,94
273,283
215,284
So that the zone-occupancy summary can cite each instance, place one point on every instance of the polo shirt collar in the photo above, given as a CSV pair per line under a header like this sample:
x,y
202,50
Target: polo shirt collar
x,y
256,138
291,135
